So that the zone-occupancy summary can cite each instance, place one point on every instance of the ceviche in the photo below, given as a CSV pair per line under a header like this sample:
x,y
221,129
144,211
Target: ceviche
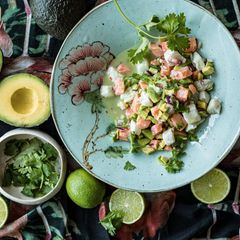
x,y
163,89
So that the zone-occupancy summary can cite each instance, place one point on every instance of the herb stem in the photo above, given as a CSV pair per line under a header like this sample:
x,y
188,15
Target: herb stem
x,y
132,23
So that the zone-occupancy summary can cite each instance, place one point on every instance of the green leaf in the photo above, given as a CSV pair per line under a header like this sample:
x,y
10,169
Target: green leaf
x,y
174,165
14,146
139,54
112,221
115,152
7,179
169,24
33,167
50,151
129,166
154,21
110,128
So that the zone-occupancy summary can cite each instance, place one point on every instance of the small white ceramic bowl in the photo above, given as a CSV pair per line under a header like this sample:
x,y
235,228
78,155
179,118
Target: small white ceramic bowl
x,y
14,193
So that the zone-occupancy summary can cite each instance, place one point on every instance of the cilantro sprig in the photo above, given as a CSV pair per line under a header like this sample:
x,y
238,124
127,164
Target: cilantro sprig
x,y
112,221
172,29
32,166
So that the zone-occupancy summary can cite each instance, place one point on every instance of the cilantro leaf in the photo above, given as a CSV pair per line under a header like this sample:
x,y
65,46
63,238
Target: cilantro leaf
x,y
129,166
112,221
14,146
115,152
137,55
31,167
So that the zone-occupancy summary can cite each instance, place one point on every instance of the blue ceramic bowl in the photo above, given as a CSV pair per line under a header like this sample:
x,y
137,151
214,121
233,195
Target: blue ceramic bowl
x,y
82,121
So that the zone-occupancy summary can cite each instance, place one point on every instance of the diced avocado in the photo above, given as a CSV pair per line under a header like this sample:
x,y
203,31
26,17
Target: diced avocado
x,y
203,114
152,119
143,141
153,95
153,70
163,160
135,87
135,147
185,81
162,144
147,133
202,104
209,68
165,116
134,116
163,107
169,92
25,100
1,60
148,149
143,112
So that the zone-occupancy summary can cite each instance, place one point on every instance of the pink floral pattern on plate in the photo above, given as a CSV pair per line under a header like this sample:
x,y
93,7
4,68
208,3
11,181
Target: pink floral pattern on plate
x,y
83,69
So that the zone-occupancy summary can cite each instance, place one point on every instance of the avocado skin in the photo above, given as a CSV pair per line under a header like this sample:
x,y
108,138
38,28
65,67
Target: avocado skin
x,y
57,17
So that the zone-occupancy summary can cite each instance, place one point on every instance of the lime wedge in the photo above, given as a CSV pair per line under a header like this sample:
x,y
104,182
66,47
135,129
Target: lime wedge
x,y
3,212
131,204
211,188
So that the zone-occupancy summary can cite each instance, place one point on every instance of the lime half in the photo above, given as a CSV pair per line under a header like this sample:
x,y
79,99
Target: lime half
x,y
131,204
3,212
211,188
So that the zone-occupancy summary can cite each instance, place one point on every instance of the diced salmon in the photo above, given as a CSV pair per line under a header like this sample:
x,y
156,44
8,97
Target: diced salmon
x,y
135,104
142,123
192,89
168,148
156,129
182,94
154,144
181,73
143,85
155,62
178,121
129,112
119,87
123,134
192,45
164,46
156,49
165,69
123,69
155,112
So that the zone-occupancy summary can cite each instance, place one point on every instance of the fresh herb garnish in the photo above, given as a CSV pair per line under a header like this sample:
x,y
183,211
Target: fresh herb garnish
x,y
129,166
112,221
172,29
32,166
115,152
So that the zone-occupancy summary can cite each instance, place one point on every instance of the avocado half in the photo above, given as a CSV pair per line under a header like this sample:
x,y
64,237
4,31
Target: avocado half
x,y
25,100
1,60
57,17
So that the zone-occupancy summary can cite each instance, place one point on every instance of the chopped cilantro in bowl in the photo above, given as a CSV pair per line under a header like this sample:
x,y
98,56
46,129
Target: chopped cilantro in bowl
x,y
33,166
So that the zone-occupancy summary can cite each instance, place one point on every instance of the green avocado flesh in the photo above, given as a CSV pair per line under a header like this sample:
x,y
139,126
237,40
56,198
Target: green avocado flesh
x,y
25,100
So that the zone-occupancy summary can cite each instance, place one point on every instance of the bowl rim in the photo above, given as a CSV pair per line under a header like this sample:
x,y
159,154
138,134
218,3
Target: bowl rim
x,y
225,153
61,159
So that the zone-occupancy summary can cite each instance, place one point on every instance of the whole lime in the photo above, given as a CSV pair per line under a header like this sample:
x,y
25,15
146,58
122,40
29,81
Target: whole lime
x,y
85,190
